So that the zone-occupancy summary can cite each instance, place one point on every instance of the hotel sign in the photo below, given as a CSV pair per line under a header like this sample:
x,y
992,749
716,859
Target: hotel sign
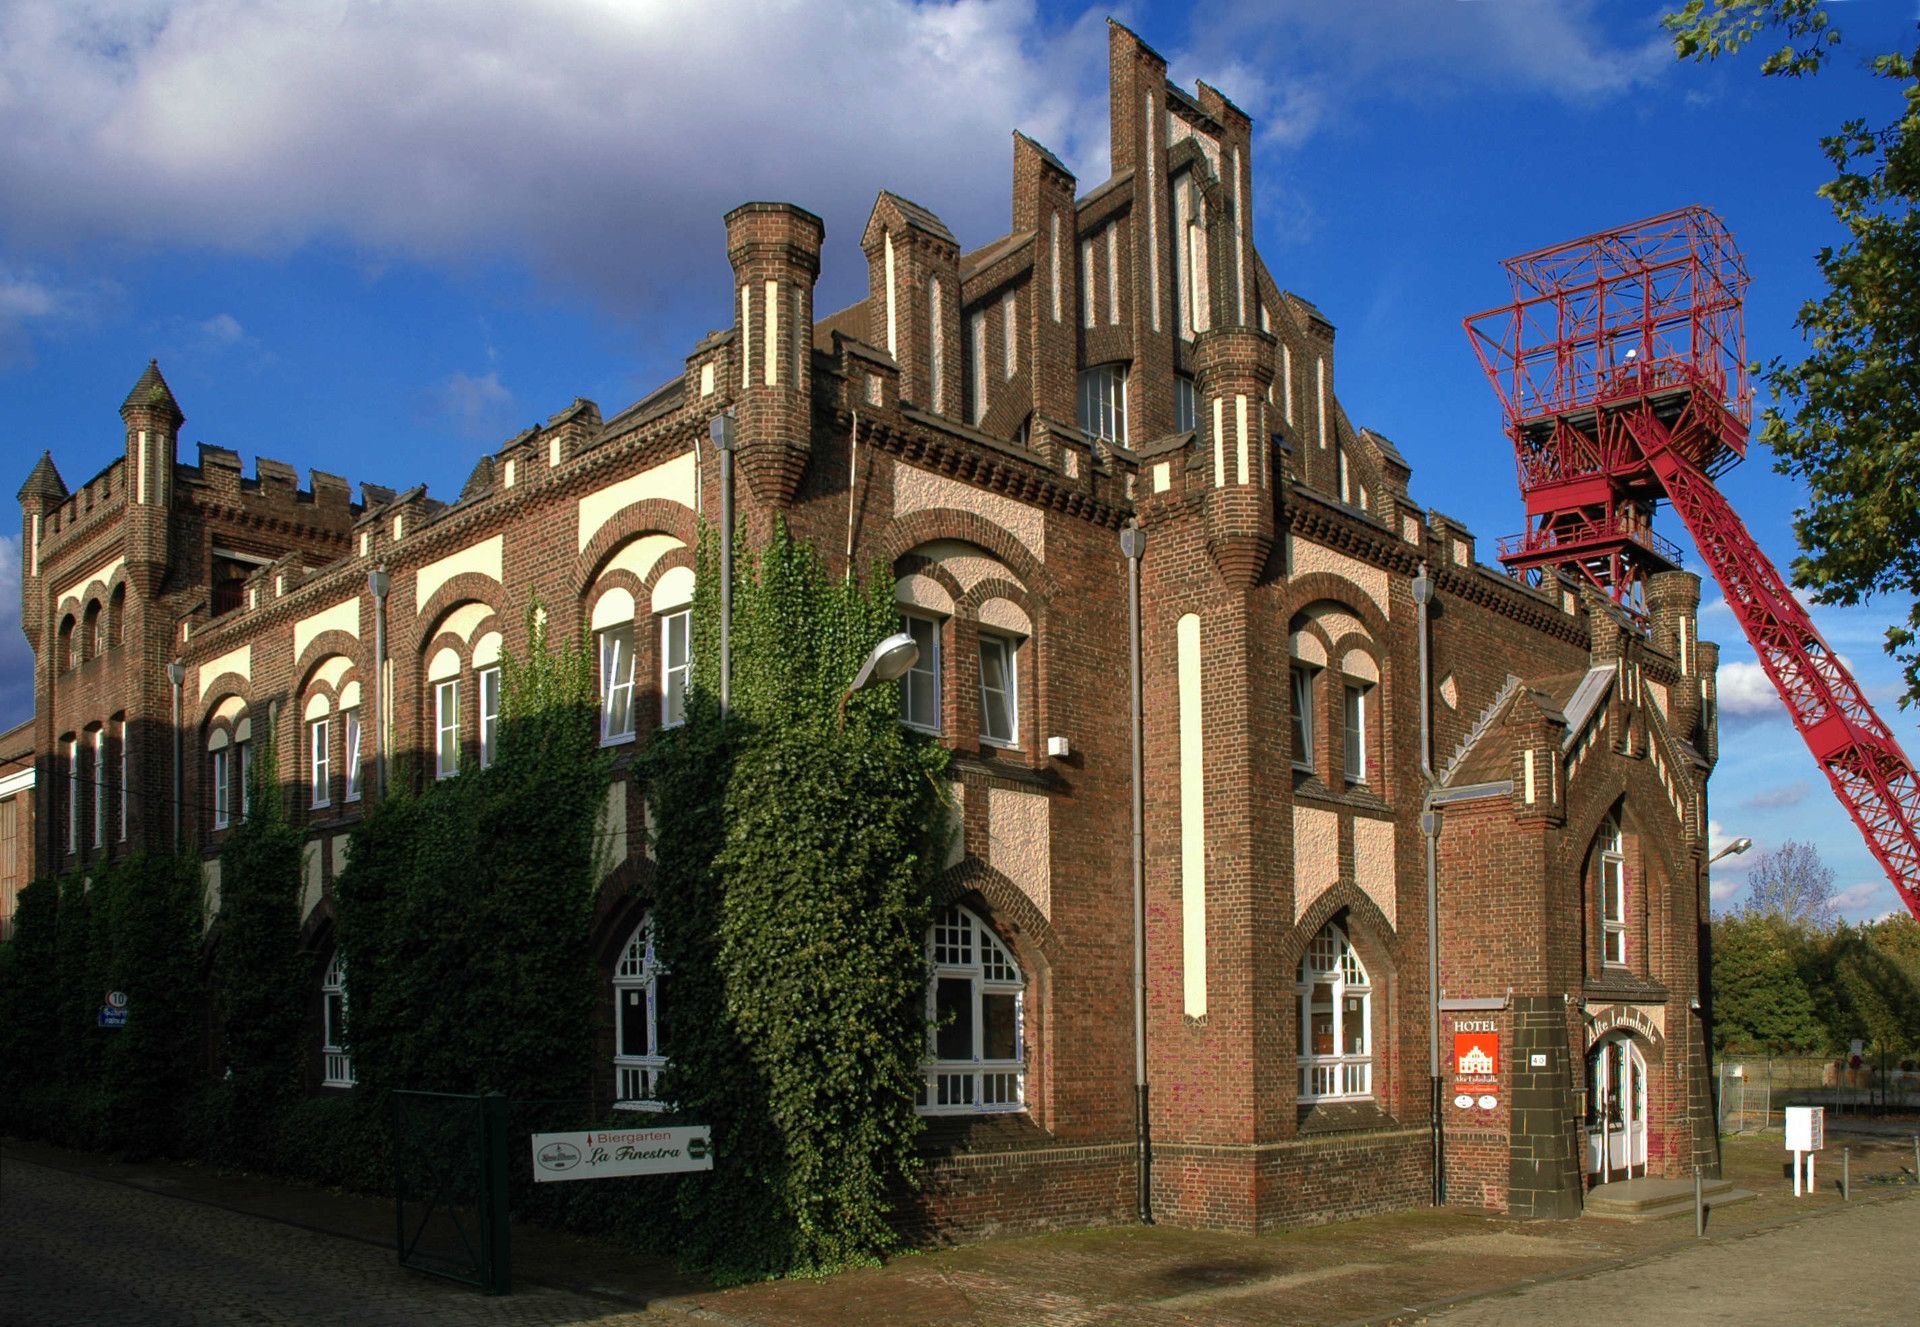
x,y
1476,1051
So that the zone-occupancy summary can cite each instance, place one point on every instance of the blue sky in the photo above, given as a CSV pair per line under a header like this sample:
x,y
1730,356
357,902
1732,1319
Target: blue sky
x,y
379,239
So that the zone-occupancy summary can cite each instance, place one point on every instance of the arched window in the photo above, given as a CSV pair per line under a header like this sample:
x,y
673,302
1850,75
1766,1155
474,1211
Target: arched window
x,y
336,1064
976,1007
69,652
96,632
1336,1017
639,1022
117,614
1613,893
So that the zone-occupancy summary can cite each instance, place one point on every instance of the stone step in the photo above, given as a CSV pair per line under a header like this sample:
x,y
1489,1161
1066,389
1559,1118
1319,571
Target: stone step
x,y
1653,1199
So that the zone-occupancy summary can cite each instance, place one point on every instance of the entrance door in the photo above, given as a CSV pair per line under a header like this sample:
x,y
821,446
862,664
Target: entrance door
x,y
1616,1110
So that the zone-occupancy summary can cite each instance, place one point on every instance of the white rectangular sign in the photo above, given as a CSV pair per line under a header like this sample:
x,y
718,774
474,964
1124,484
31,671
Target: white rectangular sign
x,y
595,1154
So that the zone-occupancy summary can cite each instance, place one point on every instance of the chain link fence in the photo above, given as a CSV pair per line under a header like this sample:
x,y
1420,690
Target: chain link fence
x,y
1754,1091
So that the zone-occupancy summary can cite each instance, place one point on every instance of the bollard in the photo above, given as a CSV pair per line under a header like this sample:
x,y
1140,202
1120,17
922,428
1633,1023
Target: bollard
x,y
1699,1206
1846,1174
1916,1158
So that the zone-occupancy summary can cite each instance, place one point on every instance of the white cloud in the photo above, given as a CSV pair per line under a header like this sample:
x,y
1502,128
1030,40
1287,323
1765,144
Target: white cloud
x,y
1862,900
477,406
1746,691
1770,799
589,138
223,329
34,301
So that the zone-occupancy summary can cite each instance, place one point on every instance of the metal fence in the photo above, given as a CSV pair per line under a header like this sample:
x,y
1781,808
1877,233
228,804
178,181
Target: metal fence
x,y
1753,1091
450,1187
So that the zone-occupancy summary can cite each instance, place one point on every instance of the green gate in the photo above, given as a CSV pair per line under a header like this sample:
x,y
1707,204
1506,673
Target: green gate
x,y
450,1187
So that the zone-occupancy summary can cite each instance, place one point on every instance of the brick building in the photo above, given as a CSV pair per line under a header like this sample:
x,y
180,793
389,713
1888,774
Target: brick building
x,y
987,422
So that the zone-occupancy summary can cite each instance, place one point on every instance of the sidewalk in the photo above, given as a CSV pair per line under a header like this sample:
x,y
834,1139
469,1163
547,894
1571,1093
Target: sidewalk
x,y
1379,1269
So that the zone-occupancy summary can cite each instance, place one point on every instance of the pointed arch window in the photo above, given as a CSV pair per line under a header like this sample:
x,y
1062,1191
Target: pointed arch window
x,y
639,1022
1336,1020
336,1064
976,1009
1613,893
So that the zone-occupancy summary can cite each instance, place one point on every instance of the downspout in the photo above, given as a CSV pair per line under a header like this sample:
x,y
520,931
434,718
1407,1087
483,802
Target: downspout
x,y
1430,826
853,487
378,584
1133,543
176,674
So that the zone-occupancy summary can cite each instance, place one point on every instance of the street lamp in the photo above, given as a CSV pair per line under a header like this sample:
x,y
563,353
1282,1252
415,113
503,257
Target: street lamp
x,y
1733,849
888,662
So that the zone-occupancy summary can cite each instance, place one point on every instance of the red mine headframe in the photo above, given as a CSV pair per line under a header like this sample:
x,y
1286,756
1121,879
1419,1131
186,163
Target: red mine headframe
x,y
1620,362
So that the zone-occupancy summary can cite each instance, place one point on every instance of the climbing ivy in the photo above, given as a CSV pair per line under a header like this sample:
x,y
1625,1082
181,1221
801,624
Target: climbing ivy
x,y
795,860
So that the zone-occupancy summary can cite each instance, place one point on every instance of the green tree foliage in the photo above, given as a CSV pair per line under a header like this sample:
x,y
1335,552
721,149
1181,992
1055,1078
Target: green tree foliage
x,y
1846,419
131,927
260,975
465,910
1761,1002
795,862
1793,885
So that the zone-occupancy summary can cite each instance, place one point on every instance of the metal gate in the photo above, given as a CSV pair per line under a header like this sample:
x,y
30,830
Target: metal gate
x,y
450,1187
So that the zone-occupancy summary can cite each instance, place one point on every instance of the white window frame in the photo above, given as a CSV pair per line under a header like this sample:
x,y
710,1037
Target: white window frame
x,y
446,728
489,686
1354,727
636,1078
100,786
350,740
123,780
73,796
670,669
218,775
1337,1075
336,1065
1300,679
1103,402
1009,649
246,778
617,677
320,762
960,946
928,663
1613,896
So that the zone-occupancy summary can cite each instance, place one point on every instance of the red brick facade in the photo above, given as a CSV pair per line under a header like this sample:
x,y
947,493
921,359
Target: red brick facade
x,y
942,426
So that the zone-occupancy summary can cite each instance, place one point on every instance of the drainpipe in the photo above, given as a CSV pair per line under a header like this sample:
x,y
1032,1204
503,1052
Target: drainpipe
x,y
176,674
1422,588
378,584
720,428
853,487
1133,543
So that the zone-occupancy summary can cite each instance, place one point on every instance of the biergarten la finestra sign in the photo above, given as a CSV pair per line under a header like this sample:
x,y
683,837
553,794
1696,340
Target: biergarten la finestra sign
x,y
596,1154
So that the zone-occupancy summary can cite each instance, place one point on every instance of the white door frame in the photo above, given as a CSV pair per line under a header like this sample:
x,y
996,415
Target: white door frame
x,y
1617,1087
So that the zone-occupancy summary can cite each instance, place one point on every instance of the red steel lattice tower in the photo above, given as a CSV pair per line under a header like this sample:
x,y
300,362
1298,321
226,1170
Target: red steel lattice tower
x,y
1620,363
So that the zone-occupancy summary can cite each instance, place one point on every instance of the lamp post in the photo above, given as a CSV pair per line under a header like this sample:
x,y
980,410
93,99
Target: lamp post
x,y
720,429
888,661
1733,849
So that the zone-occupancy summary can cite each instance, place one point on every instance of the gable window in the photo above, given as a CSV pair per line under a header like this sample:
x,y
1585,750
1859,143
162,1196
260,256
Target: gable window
x,y
350,731
1103,402
1613,893
616,684
446,725
1356,733
1186,407
222,789
999,692
639,1022
676,666
320,762
336,1064
1302,688
1336,1015
976,1007
489,715
920,688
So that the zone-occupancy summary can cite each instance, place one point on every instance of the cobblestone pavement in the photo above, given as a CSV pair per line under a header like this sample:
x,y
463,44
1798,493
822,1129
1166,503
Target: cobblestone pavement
x,y
75,1250
1853,1266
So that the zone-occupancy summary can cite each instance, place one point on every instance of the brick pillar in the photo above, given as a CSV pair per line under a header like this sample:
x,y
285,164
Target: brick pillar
x,y
1234,366
1543,1172
913,304
1043,192
1673,610
775,252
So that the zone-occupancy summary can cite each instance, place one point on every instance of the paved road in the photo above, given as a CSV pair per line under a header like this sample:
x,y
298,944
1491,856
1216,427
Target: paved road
x,y
75,1250
1855,1267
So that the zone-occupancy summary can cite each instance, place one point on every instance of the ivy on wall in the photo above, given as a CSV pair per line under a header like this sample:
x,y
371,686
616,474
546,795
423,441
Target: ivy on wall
x,y
794,868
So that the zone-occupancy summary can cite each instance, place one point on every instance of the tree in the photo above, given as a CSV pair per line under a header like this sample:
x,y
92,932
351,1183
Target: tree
x,y
1792,885
1846,419
1760,998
